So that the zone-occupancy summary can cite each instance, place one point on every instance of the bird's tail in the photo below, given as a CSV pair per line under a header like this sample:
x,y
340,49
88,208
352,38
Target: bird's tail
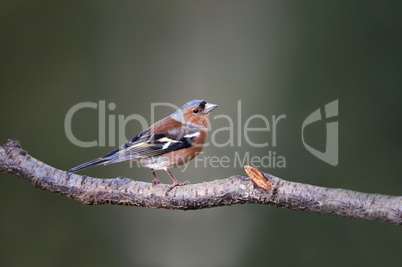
x,y
95,162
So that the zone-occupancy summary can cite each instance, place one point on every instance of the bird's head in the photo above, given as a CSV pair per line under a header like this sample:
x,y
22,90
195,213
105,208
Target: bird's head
x,y
195,112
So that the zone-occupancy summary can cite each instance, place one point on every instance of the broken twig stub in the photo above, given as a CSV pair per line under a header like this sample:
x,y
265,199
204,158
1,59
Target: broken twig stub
x,y
258,178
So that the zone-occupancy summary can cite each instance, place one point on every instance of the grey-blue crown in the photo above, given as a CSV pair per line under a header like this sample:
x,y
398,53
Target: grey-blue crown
x,y
194,103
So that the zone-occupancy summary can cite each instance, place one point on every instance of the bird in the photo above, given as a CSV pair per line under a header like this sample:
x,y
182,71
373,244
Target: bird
x,y
170,142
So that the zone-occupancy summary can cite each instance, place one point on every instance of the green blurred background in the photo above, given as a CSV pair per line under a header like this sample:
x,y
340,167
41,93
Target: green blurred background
x,y
276,57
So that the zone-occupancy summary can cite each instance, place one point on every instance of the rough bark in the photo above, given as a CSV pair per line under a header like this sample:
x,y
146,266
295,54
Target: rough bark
x,y
260,189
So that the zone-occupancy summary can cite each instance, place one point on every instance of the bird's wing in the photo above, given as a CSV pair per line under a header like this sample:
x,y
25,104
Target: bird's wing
x,y
149,144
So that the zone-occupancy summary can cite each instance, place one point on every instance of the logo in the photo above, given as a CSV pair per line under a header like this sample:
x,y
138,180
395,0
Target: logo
x,y
330,155
235,131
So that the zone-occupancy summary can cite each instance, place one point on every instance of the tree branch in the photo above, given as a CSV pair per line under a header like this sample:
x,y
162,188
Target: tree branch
x,y
260,189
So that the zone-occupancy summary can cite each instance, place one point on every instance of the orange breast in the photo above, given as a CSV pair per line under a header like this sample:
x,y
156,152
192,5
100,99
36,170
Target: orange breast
x,y
182,156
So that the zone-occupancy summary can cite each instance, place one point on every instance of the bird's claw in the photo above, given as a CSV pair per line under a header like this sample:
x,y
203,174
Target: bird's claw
x,y
177,184
155,181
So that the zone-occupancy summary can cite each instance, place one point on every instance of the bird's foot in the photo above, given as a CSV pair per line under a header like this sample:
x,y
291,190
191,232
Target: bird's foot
x,y
155,181
177,183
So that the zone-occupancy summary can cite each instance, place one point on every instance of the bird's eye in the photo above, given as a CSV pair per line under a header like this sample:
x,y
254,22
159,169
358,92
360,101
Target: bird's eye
x,y
196,110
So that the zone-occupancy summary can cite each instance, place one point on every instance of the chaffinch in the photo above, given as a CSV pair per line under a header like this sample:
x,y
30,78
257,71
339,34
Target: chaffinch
x,y
170,142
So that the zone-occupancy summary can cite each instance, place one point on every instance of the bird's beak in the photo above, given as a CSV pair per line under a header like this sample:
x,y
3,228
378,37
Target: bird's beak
x,y
209,107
